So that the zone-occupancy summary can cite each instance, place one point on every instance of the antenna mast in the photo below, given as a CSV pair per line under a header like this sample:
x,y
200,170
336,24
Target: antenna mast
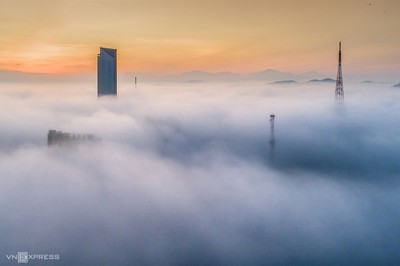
x,y
339,93
272,136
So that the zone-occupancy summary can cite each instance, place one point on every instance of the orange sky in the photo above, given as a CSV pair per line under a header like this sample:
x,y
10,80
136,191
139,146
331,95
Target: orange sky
x,y
166,36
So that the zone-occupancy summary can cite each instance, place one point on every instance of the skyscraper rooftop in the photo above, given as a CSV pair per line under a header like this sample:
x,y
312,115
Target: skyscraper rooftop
x,y
107,72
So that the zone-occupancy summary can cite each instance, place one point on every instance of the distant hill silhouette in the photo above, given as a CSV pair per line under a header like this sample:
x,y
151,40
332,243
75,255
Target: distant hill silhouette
x,y
269,75
198,75
323,80
289,81
396,85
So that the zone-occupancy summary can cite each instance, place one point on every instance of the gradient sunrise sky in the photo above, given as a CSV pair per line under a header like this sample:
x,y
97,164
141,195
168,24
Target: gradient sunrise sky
x,y
167,36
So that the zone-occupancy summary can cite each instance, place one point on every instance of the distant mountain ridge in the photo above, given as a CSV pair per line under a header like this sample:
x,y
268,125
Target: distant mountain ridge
x,y
289,81
195,76
330,80
270,75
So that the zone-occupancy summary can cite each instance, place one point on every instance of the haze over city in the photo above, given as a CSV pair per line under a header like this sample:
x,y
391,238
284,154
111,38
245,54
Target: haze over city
x,y
170,37
185,165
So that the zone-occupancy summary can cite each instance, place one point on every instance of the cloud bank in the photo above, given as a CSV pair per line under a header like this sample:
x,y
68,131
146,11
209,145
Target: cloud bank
x,y
184,174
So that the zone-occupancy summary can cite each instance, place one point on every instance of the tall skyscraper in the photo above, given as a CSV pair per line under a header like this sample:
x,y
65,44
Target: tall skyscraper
x,y
107,72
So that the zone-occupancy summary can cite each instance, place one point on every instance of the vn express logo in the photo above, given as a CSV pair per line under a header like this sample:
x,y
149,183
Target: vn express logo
x,y
25,257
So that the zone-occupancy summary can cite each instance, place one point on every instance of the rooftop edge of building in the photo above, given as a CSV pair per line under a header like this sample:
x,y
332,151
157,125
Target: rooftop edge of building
x,y
111,51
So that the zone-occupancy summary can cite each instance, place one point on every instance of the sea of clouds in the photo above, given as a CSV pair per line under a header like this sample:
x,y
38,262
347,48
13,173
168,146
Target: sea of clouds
x,y
184,174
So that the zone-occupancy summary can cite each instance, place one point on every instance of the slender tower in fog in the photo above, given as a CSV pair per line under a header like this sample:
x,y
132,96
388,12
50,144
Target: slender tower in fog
x,y
339,93
272,137
107,72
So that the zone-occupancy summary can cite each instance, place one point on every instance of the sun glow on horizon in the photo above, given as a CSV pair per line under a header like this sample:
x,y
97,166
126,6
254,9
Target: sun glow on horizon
x,y
156,37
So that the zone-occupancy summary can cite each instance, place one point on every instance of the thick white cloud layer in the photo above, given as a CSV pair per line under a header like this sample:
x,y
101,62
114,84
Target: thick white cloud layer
x,y
184,175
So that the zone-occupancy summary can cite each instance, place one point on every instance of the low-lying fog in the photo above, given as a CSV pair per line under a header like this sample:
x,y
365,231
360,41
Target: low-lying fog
x,y
184,174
